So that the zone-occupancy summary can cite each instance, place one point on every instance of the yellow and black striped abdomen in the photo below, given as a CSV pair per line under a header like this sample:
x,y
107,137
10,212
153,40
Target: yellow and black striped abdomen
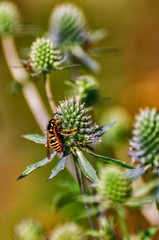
x,y
55,141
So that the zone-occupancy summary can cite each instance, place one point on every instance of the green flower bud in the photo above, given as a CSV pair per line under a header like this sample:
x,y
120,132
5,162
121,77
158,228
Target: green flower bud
x,y
75,116
145,141
28,230
86,89
68,26
68,231
43,55
114,186
69,32
10,20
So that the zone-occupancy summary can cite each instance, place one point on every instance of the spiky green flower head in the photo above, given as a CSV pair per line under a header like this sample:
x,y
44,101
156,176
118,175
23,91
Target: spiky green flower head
x,y
10,20
75,116
69,32
144,146
114,186
43,56
70,131
68,26
85,89
68,231
28,229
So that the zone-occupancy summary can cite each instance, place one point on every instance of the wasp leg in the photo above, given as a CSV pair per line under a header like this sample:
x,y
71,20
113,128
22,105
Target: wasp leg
x,y
68,130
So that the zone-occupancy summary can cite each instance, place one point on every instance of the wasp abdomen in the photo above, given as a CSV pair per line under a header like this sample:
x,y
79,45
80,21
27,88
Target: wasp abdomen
x,y
55,142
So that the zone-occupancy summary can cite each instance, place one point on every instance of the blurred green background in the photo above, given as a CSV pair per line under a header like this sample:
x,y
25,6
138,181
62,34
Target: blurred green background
x,y
130,76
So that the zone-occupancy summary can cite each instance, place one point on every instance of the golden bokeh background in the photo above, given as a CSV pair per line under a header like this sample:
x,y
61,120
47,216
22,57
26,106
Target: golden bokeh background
x,y
130,76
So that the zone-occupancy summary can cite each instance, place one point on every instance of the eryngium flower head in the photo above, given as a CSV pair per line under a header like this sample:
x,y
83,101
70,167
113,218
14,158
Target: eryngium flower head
x,y
68,231
69,32
75,115
28,229
70,130
43,56
10,20
114,186
68,26
145,141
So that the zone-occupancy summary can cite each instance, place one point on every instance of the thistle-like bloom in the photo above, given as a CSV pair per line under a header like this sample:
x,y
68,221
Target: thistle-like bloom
x,y
114,186
43,56
10,19
144,146
74,117
68,26
69,32
28,229
68,231
115,189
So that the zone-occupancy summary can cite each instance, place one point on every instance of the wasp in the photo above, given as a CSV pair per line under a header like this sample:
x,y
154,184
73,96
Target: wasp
x,y
55,133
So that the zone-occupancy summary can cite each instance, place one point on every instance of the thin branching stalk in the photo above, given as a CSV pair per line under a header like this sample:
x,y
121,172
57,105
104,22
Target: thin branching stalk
x,y
49,93
29,90
123,226
82,189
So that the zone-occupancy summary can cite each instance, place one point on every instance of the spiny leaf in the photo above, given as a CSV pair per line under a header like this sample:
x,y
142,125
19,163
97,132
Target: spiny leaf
x,y
59,166
136,173
86,167
90,63
110,160
36,138
146,188
141,201
105,128
36,165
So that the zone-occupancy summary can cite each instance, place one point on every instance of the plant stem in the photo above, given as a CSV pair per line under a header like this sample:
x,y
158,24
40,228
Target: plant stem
x,y
29,90
82,189
49,92
120,213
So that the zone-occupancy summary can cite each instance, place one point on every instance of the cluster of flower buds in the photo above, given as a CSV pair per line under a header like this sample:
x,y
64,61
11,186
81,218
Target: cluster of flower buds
x,y
144,146
10,19
43,56
75,115
68,231
114,186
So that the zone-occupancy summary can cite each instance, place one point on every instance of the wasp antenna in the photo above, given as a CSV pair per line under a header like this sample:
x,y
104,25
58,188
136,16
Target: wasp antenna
x,y
56,114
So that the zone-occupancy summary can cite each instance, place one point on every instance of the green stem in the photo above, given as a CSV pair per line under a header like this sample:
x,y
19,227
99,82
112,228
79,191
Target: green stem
x,y
49,92
82,189
120,213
